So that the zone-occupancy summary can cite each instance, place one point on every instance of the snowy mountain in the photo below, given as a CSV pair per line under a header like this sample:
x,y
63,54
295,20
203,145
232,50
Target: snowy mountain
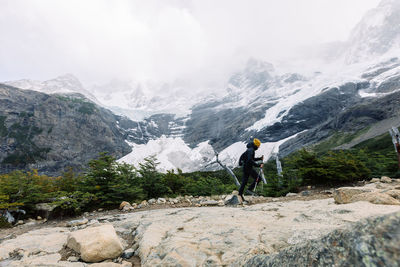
x,y
290,110
376,34
139,100
65,84
354,93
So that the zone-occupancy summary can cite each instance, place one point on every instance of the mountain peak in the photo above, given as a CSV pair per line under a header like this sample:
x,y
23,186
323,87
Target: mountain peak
x,y
376,34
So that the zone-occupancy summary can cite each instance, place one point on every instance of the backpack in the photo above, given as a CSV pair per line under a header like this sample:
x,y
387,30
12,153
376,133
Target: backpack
x,y
242,159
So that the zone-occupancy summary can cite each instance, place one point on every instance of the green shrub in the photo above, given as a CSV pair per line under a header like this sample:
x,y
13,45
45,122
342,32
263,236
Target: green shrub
x,y
87,108
27,188
332,168
111,182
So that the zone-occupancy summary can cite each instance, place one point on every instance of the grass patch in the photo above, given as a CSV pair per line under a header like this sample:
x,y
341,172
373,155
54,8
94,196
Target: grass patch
x,y
337,139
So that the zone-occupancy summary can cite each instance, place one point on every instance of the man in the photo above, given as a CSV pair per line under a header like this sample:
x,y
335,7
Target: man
x,y
248,161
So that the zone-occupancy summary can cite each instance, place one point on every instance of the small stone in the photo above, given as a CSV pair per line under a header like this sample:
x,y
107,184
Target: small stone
x,y
291,194
73,259
161,200
152,201
305,193
375,180
385,179
77,222
128,253
235,192
39,218
99,210
123,204
328,191
19,222
134,205
128,208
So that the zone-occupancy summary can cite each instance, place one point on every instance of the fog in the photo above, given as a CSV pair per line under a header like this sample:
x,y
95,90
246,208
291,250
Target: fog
x,y
165,40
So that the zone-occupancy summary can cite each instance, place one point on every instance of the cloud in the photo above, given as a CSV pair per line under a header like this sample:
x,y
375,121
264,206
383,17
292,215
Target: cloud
x,y
201,40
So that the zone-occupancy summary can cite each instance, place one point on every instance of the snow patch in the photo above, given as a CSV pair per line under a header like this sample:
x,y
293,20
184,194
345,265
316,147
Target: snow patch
x,y
172,153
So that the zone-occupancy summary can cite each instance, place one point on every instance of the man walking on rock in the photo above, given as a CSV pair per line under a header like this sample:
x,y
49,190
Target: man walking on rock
x,y
248,161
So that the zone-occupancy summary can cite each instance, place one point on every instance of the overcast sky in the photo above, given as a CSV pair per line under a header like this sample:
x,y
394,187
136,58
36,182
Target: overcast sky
x,y
98,40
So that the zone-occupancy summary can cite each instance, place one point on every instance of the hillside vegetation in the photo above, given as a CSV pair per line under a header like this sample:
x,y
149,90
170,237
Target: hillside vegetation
x,y
106,182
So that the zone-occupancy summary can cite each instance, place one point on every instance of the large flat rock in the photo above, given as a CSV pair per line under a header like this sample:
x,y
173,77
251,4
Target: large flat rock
x,y
205,236
220,236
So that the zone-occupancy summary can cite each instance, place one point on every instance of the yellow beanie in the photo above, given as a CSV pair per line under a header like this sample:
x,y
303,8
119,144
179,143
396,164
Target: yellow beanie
x,y
257,142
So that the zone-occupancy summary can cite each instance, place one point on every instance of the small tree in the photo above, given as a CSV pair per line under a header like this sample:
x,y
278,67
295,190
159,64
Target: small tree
x,y
111,182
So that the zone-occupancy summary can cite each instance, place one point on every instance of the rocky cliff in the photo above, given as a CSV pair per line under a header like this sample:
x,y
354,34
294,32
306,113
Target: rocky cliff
x,y
52,132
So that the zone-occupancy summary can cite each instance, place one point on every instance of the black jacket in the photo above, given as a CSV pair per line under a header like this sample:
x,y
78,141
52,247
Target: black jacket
x,y
249,159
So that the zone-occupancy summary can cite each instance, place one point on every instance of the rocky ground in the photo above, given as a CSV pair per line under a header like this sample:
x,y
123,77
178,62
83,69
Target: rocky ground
x,y
198,232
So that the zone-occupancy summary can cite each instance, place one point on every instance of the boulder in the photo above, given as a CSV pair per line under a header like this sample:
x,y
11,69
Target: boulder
x,y
96,243
385,179
123,204
343,195
375,198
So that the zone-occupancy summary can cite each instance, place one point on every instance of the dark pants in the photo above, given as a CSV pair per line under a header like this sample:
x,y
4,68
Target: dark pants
x,y
246,173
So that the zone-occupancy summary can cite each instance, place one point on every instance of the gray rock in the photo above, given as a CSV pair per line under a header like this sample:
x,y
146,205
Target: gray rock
x,y
152,201
291,194
161,200
128,253
372,242
232,200
77,222
305,193
73,259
